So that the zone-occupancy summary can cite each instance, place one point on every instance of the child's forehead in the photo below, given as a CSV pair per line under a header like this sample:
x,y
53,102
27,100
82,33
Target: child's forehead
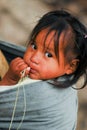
x,y
45,38
45,35
66,38
52,38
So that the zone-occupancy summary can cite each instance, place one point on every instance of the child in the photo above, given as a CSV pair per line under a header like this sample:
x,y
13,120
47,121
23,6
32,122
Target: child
x,y
56,55
57,47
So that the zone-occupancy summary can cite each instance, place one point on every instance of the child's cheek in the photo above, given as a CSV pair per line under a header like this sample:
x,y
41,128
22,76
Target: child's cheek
x,y
26,58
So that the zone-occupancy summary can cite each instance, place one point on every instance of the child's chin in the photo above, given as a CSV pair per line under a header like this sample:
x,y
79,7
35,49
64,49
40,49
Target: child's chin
x,y
34,77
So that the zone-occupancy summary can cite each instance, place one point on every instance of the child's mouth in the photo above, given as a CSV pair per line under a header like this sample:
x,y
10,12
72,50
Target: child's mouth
x,y
32,70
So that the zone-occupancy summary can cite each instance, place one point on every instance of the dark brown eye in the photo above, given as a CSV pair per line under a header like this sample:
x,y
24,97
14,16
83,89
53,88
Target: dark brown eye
x,y
48,54
33,45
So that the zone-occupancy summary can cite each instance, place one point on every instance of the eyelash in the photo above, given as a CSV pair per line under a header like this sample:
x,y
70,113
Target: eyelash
x,y
47,54
33,45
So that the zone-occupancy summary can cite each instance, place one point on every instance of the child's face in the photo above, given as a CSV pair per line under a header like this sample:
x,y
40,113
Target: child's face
x,y
42,60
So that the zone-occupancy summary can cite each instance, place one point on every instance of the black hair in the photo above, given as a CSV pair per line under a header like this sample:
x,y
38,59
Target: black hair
x,y
60,21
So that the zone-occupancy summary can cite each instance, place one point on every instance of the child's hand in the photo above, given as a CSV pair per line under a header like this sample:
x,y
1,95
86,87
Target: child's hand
x,y
17,66
15,71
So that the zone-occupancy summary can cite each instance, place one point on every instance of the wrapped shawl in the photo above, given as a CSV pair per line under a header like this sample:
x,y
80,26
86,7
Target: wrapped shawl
x,y
39,106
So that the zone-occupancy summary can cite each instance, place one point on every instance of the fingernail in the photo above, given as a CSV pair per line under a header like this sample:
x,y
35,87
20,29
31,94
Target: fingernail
x,y
28,68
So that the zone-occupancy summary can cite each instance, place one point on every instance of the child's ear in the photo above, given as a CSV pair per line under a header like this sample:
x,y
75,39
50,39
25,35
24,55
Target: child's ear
x,y
72,66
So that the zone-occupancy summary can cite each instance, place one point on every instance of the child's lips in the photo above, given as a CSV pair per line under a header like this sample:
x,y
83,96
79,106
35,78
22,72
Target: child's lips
x,y
32,70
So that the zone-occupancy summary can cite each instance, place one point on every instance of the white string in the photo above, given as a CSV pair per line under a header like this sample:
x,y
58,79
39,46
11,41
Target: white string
x,y
16,99
15,105
24,108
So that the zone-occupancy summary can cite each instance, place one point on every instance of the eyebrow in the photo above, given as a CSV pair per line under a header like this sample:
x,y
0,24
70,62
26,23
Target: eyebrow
x,y
50,49
45,47
33,41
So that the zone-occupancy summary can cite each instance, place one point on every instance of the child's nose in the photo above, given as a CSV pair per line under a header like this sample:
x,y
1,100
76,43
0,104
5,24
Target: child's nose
x,y
35,58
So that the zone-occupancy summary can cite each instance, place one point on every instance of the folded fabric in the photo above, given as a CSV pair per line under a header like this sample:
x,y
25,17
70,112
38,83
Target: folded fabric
x,y
39,106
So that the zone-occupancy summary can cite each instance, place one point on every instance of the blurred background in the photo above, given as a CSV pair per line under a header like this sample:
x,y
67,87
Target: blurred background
x,y
17,19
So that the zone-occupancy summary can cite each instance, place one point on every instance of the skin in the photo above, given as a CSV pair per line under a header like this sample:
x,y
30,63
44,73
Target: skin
x,y
40,61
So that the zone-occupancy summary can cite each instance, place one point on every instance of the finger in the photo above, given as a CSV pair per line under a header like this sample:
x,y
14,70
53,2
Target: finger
x,y
27,71
22,65
16,61
18,64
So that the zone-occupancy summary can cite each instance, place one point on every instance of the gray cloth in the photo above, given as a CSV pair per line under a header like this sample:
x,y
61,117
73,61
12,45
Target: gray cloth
x,y
47,107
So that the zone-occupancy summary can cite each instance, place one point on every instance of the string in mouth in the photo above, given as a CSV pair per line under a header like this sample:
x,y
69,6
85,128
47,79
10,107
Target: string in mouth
x,y
23,72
